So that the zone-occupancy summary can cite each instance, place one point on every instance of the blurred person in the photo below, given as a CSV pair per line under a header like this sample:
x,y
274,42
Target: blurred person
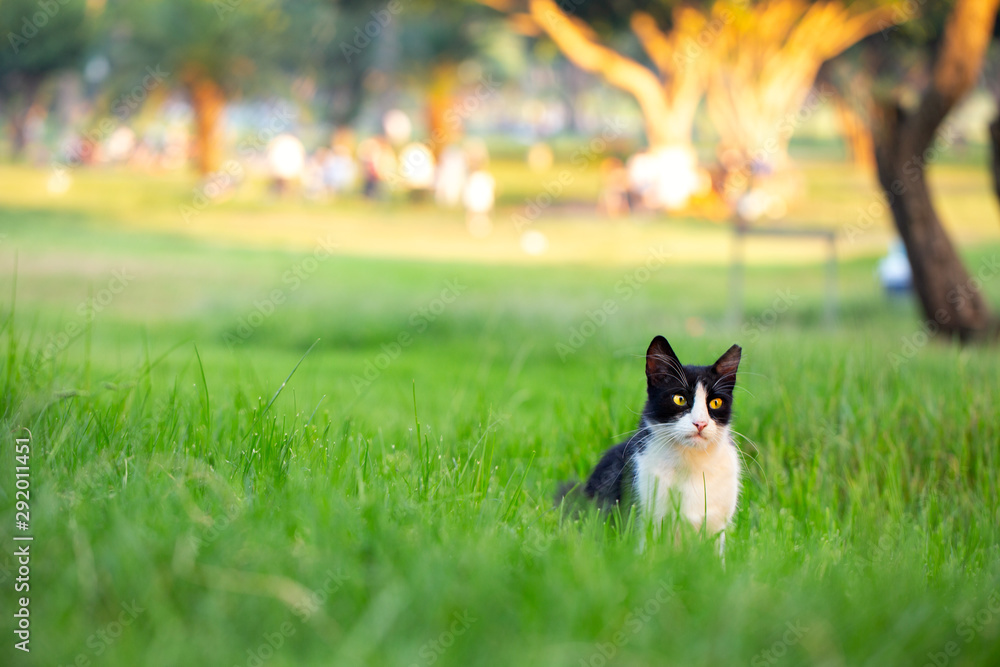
x,y
340,169
313,183
286,159
479,196
378,164
416,167
34,133
894,270
613,198
120,145
451,176
641,171
397,127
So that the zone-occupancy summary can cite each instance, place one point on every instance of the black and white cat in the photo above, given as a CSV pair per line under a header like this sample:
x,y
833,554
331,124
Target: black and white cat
x,y
682,461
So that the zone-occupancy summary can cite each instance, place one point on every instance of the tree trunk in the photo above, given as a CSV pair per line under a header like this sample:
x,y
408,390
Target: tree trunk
x,y
995,145
950,301
208,102
444,124
762,90
668,101
856,133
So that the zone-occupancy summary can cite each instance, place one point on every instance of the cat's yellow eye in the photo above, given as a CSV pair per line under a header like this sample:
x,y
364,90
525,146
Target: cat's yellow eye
x,y
680,400
715,403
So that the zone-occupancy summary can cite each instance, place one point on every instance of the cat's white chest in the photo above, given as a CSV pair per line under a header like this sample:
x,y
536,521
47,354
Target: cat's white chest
x,y
700,485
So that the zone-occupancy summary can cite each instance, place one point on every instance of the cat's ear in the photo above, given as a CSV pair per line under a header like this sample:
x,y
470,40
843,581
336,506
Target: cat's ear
x,y
662,363
727,364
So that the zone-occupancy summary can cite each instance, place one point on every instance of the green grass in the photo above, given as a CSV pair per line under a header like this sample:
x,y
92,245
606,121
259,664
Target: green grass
x,y
409,521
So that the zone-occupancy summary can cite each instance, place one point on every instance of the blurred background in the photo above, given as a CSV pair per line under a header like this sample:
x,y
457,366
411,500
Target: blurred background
x,y
510,116
309,305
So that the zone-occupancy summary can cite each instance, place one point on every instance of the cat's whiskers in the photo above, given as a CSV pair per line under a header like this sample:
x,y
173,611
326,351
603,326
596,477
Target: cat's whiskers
x,y
744,455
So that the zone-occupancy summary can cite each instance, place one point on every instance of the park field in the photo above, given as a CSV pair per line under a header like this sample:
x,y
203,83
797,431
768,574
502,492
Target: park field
x,y
329,434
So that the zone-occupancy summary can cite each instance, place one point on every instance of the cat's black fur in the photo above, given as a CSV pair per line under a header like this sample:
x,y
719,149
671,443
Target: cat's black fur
x,y
612,479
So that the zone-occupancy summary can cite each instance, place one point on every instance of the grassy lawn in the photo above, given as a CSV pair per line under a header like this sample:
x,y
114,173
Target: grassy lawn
x,y
391,503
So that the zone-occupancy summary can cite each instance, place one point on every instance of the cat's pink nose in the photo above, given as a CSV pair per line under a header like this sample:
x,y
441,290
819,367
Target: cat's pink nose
x,y
700,426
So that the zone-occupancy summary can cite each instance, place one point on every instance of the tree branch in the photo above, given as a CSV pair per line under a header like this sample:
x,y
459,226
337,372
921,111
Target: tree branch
x,y
579,44
966,38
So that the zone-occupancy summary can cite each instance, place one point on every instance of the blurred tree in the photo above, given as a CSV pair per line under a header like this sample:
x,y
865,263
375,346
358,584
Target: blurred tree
x,y
422,42
849,83
754,61
905,143
434,41
995,146
668,79
324,51
40,38
769,54
993,84
215,49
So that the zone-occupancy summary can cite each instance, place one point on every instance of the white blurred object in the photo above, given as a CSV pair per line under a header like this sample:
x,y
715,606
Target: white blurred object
x,y
478,197
641,169
416,166
120,144
894,269
58,182
676,178
286,157
752,205
665,178
397,126
533,242
450,177
480,193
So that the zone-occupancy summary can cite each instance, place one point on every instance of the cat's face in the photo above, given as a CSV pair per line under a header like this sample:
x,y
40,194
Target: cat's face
x,y
689,405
